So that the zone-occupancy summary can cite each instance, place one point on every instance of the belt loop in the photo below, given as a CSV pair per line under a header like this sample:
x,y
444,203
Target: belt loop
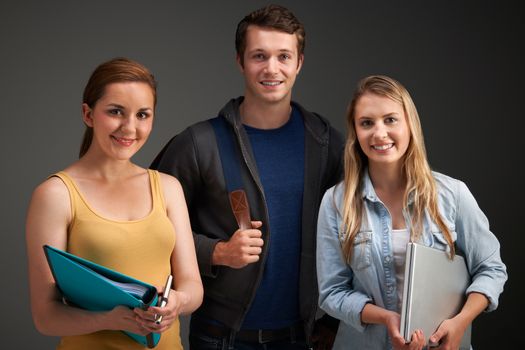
x,y
231,340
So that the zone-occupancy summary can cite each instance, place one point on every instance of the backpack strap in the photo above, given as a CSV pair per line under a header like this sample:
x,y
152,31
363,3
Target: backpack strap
x,y
231,168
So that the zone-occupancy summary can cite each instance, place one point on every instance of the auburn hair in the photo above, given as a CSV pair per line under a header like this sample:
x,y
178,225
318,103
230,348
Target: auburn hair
x,y
116,70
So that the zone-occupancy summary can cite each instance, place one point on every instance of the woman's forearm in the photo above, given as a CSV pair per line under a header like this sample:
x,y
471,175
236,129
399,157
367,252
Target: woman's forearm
x,y
373,314
62,320
190,294
475,304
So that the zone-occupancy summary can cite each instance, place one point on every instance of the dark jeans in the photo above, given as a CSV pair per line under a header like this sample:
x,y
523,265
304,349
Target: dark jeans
x,y
199,340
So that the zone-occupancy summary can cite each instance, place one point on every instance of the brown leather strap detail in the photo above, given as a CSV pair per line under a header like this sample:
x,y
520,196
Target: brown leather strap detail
x,y
241,210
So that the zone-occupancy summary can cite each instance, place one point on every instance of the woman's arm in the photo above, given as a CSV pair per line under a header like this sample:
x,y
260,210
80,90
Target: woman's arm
x,y
179,158
336,296
481,248
482,252
450,332
48,217
188,291
373,314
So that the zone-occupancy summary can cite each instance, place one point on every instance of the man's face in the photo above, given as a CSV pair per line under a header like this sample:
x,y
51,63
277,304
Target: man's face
x,y
271,64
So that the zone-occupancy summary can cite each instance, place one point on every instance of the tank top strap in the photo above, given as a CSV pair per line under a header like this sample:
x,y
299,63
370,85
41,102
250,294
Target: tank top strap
x,y
156,190
74,195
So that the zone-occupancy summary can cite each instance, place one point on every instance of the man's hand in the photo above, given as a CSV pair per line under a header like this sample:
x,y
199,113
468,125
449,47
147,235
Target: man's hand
x,y
243,248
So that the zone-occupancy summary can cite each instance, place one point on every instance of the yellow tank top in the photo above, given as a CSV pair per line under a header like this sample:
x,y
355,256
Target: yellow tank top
x,y
139,248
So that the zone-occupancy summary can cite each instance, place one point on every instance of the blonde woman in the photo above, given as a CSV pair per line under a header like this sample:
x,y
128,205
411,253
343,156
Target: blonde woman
x,y
389,197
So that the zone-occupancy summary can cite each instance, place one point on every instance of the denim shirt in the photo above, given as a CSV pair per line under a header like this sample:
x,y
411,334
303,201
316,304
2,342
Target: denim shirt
x,y
344,289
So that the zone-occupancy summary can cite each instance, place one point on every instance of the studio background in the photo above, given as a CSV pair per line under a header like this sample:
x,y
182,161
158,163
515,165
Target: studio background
x,y
460,61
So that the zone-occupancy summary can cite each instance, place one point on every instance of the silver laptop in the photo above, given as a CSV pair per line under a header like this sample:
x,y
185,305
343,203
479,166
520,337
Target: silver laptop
x,y
434,291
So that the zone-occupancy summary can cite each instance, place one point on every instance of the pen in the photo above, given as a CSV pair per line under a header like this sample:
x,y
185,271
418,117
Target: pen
x,y
164,297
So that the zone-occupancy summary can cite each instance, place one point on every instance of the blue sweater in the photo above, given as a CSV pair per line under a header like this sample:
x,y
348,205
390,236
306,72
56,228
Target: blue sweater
x,y
279,154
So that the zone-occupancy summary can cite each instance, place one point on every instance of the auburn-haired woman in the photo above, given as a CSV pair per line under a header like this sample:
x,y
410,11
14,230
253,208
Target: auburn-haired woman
x,y
108,210
389,196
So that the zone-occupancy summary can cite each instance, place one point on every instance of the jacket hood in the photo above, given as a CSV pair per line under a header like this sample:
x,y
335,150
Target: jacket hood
x,y
318,126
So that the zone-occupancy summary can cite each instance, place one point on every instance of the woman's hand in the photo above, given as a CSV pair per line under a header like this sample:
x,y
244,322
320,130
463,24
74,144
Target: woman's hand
x,y
123,318
169,313
374,314
449,334
417,340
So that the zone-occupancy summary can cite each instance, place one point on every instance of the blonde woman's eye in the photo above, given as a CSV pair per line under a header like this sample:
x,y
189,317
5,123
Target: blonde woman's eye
x,y
391,120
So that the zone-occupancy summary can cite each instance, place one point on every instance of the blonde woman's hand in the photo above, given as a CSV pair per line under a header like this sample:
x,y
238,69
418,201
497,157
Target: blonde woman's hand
x,y
417,340
448,334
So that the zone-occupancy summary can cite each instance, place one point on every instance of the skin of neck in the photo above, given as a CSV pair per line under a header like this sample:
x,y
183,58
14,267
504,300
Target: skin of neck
x,y
95,163
387,178
263,115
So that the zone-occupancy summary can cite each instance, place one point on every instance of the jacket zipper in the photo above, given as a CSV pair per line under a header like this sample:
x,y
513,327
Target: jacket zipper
x,y
244,152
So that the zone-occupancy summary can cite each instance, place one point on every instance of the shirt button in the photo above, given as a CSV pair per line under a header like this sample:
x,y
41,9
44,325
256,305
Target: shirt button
x,y
390,289
387,259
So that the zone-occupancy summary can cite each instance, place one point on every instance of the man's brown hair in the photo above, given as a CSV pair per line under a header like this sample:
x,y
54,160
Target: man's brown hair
x,y
274,17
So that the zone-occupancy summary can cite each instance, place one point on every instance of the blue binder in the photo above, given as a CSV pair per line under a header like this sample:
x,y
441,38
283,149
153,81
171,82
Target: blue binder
x,y
89,286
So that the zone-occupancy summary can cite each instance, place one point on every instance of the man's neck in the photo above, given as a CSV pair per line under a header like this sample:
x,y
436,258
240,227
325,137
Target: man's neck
x,y
265,115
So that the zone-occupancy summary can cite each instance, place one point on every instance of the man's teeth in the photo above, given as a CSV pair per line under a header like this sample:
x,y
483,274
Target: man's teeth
x,y
271,83
383,147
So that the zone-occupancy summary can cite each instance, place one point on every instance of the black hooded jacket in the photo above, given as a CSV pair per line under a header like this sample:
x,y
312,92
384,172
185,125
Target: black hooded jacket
x,y
193,157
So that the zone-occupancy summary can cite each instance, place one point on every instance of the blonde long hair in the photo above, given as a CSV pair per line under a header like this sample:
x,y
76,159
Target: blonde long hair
x,y
420,186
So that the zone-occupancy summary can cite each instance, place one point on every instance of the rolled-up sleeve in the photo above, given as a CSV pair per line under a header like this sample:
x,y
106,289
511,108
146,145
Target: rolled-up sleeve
x,y
481,248
336,296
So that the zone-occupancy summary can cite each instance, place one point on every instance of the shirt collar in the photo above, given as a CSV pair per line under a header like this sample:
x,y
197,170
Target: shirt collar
x,y
369,191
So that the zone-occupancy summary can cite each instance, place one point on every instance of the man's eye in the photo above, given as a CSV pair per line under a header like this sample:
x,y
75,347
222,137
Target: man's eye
x,y
285,57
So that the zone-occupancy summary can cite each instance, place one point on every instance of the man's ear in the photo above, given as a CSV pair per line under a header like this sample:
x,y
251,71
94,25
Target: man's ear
x,y
86,115
300,62
239,63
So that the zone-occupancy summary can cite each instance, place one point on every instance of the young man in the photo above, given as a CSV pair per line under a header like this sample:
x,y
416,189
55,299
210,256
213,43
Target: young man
x,y
260,282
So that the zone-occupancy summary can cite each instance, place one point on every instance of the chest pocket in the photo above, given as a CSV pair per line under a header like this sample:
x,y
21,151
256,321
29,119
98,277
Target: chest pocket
x,y
362,250
438,239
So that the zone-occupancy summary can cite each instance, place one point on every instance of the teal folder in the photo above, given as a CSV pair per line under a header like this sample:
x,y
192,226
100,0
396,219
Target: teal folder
x,y
90,286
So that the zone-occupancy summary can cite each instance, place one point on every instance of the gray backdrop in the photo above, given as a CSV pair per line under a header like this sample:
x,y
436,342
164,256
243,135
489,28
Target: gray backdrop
x,y
459,60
